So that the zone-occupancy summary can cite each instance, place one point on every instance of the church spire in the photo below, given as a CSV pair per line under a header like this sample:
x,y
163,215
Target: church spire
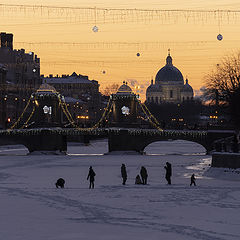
x,y
169,58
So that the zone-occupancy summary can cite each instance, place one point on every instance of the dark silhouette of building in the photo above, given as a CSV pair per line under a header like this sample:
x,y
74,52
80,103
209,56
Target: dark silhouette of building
x,y
82,96
19,79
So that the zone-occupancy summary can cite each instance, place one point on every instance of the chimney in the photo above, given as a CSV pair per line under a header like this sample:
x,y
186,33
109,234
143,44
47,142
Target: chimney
x,y
3,39
10,41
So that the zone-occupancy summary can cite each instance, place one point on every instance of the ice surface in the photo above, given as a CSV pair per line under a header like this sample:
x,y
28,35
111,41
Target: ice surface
x,y
33,209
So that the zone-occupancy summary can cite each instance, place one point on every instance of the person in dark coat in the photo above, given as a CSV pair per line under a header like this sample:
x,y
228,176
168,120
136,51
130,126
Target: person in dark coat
x,y
138,180
168,175
193,179
91,177
124,174
144,175
60,183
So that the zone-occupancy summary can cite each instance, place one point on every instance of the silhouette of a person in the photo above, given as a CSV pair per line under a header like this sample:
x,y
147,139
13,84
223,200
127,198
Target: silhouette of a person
x,y
193,179
138,180
168,175
124,174
60,183
144,175
91,177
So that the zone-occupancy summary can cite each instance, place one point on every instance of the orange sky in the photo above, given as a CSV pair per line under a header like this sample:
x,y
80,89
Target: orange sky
x,y
64,40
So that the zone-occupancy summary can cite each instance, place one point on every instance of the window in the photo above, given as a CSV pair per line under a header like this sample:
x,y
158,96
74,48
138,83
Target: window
x,y
156,99
171,93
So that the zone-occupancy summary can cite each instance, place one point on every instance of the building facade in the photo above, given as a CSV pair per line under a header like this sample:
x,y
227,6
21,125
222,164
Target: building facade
x,y
21,79
82,96
169,86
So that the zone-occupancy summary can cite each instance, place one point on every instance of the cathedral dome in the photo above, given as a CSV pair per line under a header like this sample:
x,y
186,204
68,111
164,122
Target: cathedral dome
x,y
187,87
169,73
124,89
154,88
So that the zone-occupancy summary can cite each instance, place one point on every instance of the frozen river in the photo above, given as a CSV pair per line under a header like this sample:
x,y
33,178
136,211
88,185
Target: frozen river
x,y
33,209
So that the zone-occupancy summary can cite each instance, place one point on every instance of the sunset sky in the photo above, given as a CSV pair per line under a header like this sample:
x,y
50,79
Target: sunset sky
x,y
64,40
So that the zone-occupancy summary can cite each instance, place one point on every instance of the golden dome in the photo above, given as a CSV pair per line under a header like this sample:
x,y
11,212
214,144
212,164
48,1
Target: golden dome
x,y
46,88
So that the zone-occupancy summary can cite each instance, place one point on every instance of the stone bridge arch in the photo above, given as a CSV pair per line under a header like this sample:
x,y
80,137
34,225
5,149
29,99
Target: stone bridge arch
x,y
171,145
138,139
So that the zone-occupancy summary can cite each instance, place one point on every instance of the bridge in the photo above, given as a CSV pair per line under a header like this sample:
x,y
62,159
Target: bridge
x,y
128,130
119,139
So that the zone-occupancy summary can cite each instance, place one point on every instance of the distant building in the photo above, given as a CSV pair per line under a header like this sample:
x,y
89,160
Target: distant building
x,y
21,78
169,86
81,95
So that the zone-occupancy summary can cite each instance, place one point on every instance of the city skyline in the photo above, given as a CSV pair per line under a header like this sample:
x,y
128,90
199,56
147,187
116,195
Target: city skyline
x,y
64,40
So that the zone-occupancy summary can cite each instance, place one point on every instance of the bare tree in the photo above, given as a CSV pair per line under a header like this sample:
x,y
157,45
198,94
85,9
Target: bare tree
x,y
223,85
110,89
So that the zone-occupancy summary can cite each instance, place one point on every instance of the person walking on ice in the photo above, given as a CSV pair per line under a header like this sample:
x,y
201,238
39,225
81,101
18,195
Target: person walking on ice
x,y
168,175
193,179
124,174
91,177
144,175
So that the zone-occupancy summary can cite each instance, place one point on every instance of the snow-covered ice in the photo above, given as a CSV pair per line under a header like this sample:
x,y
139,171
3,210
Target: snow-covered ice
x,y
33,209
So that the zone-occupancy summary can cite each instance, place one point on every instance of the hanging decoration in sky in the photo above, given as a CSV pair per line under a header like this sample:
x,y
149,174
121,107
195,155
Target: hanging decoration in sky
x,y
219,37
95,28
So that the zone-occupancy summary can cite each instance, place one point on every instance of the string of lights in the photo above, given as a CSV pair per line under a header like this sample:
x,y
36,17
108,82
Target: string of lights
x,y
71,121
107,109
149,117
97,15
29,118
21,116
66,108
117,45
150,114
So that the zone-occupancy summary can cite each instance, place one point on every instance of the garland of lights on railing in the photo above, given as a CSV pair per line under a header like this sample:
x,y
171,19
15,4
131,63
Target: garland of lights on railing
x,y
149,116
66,108
24,110
98,131
66,112
71,121
104,116
29,118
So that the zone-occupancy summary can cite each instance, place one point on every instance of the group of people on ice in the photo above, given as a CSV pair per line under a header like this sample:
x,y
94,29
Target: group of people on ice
x,y
140,179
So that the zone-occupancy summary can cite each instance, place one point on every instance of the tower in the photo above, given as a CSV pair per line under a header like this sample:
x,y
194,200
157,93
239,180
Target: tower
x,y
124,107
6,40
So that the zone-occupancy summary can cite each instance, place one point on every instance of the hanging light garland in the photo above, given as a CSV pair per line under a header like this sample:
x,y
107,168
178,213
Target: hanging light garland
x,y
21,116
29,118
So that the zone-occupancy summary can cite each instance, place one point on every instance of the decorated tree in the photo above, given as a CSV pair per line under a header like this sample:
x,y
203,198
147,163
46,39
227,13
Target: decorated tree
x,y
223,86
